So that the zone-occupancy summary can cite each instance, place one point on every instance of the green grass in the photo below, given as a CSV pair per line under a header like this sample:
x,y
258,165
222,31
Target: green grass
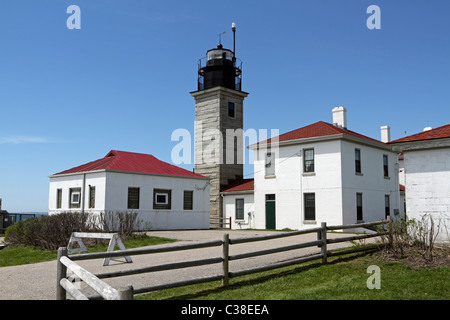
x,y
341,279
17,254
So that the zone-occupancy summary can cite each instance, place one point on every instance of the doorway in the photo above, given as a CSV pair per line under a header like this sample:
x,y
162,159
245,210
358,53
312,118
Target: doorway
x,y
270,211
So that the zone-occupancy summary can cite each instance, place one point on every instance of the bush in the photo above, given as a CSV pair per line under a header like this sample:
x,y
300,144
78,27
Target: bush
x,y
54,231
49,232
122,222
406,233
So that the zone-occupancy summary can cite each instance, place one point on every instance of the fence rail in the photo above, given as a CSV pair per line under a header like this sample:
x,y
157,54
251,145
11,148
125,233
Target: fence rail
x,y
218,222
66,261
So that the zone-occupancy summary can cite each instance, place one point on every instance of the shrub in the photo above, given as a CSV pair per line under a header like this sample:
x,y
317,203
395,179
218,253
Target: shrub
x,y
48,232
407,233
124,223
54,231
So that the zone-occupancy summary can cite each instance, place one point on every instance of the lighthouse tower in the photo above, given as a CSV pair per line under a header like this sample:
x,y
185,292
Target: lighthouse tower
x,y
219,121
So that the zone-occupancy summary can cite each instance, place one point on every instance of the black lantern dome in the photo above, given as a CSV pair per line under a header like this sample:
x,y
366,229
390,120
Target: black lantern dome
x,y
220,68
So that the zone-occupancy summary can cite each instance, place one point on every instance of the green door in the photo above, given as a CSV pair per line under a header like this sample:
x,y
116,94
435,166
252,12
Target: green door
x,y
270,211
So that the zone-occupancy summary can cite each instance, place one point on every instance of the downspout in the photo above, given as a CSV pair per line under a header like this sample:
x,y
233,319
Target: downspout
x,y
83,193
397,185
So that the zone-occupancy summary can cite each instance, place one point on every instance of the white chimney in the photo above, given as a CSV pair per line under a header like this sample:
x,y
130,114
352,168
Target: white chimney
x,y
385,134
427,129
340,117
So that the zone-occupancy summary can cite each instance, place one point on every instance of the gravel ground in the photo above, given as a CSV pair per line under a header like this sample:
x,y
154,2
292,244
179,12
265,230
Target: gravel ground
x,y
38,281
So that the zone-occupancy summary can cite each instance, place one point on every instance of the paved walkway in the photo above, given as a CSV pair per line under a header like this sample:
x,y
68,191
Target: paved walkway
x,y
38,281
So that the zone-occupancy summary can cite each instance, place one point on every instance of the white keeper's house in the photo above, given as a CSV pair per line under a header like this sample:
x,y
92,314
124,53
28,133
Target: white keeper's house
x,y
166,196
426,175
318,173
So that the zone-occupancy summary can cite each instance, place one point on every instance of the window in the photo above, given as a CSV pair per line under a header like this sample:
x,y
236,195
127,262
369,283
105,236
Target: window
x,y
359,207
357,161
162,199
308,160
385,166
270,197
133,198
91,197
74,198
188,198
387,206
231,110
270,164
239,209
310,206
58,198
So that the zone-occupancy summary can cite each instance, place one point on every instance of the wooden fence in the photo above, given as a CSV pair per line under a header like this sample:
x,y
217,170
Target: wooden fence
x,y
219,223
107,292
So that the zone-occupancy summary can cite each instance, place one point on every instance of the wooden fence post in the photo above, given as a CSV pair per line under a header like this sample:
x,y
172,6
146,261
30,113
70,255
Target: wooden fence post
x,y
323,236
126,293
61,273
226,254
390,230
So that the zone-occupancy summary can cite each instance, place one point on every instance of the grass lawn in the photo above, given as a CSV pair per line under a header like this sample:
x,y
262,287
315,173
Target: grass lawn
x,y
341,279
17,254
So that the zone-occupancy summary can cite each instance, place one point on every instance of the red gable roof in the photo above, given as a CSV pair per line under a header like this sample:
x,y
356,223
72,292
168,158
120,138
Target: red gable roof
x,y
132,162
318,129
437,133
241,185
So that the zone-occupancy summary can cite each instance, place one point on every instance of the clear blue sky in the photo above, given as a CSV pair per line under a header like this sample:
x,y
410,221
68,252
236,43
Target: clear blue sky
x,y
122,81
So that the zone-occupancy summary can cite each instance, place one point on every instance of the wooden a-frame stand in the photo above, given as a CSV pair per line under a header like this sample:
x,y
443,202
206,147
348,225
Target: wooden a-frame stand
x,y
77,237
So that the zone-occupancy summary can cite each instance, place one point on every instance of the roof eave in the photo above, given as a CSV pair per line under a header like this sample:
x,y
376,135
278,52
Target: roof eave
x,y
240,192
56,175
126,172
420,144
344,136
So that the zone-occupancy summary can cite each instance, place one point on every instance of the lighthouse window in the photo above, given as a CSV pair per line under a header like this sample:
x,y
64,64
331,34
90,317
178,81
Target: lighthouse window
x,y
231,110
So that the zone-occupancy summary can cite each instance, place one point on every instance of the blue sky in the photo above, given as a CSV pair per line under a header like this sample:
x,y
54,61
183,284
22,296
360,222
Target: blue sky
x,y
122,81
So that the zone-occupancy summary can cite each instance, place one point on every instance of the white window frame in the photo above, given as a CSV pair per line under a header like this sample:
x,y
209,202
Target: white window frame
x,y
75,193
269,164
166,197
236,209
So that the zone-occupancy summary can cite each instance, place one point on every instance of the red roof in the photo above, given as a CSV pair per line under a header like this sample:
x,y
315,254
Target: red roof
x,y
241,185
132,162
318,129
437,133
